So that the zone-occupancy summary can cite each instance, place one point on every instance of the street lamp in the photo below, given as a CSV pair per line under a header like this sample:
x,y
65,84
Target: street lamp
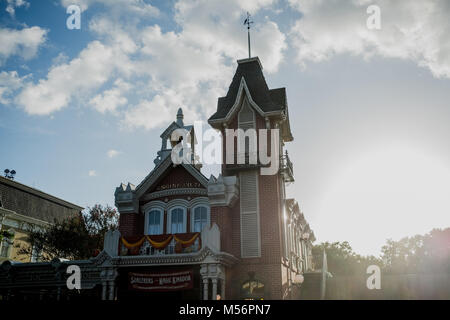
x,y
10,174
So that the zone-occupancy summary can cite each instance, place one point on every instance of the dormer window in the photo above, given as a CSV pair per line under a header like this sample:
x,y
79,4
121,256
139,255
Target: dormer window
x,y
246,116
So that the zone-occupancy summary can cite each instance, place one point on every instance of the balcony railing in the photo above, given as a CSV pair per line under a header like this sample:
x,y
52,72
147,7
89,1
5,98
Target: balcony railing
x,y
286,168
156,245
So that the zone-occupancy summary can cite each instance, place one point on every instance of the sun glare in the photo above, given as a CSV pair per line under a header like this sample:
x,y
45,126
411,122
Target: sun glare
x,y
387,192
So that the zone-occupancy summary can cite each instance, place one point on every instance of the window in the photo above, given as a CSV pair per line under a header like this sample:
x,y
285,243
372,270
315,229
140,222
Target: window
x,y
247,150
6,245
154,222
200,218
246,116
177,220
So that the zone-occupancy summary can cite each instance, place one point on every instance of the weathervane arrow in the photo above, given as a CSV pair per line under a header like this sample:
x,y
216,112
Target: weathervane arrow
x,y
247,22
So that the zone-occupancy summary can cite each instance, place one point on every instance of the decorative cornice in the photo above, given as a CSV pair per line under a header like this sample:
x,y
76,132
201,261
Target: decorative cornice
x,y
153,176
176,259
174,192
223,191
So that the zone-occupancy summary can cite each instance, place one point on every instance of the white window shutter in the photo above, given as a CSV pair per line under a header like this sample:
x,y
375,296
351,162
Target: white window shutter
x,y
250,231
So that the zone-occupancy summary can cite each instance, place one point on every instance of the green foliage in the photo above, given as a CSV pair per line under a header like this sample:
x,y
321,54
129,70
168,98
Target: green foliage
x,y
6,234
428,253
75,238
341,259
418,254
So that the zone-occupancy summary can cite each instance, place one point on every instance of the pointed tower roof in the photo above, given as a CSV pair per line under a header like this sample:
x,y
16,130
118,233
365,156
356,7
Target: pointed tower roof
x,y
272,102
251,70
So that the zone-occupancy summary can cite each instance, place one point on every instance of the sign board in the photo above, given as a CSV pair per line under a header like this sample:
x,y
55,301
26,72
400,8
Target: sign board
x,y
161,281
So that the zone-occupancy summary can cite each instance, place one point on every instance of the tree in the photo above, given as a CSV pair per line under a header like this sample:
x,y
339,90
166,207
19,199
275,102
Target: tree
x,y
341,259
418,254
78,237
4,234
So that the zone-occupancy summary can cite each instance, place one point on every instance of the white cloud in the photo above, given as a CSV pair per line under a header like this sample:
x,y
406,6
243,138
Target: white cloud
x,y
137,7
91,69
113,153
415,30
145,74
191,68
110,100
92,173
24,42
10,82
13,4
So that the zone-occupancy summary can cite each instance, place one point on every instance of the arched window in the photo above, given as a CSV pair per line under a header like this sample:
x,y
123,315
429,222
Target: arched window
x,y
154,222
200,218
177,220
248,144
246,116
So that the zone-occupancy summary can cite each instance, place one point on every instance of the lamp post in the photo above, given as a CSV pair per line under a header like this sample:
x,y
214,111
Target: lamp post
x,y
10,174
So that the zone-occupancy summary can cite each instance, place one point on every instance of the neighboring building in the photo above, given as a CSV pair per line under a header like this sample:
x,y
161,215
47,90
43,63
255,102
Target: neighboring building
x,y
184,236
23,207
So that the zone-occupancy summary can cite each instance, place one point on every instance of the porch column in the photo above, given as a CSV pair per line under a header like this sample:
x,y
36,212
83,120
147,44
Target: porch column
x,y
222,289
111,290
214,288
58,293
104,288
205,289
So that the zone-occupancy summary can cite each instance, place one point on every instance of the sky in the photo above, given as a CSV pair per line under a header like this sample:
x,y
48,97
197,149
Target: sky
x,y
81,110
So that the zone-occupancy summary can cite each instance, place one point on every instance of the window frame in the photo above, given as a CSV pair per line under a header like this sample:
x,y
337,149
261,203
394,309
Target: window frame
x,y
208,216
169,218
147,217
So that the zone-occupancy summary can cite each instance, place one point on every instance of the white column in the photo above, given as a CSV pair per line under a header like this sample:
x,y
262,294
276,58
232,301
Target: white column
x,y
214,288
111,290
205,289
222,290
104,288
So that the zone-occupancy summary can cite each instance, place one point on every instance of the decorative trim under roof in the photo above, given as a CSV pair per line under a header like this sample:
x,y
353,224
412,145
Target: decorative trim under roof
x,y
154,175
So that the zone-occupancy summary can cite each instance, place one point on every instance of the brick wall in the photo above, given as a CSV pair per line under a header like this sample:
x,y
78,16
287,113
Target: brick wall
x,y
268,267
131,224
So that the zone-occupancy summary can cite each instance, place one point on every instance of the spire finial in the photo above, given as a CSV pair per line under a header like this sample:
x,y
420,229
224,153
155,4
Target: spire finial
x,y
180,117
248,22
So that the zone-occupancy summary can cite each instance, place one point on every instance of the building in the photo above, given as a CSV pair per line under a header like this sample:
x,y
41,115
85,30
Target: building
x,y
23,207
185,236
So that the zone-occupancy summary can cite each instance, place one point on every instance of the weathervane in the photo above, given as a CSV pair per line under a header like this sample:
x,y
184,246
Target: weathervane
x,y
248,22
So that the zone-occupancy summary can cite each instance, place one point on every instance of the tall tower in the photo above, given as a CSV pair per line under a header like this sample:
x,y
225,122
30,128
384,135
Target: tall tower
x,y
255,222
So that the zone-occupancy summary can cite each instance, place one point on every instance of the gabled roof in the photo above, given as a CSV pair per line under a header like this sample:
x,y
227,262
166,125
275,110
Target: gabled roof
x,y
268,100
154,176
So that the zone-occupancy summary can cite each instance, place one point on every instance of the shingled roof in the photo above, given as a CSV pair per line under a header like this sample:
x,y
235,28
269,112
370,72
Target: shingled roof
x,y
268,100
34,203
